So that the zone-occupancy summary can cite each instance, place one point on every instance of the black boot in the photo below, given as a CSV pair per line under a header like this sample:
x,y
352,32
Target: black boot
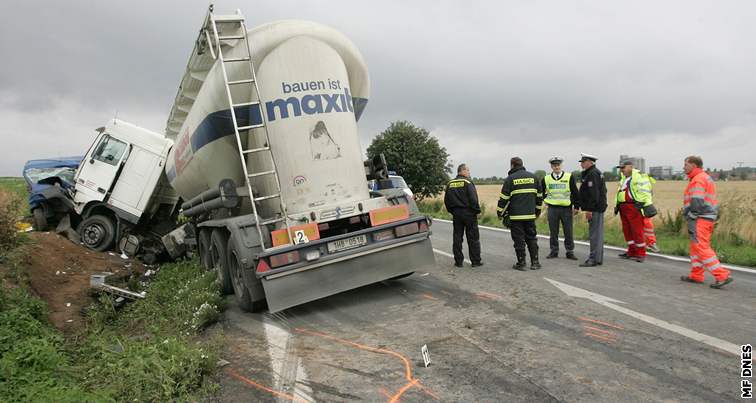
x,y
534,264
571,256
521,264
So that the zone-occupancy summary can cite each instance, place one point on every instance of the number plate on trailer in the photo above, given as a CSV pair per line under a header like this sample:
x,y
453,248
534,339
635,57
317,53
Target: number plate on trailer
x,y
347,243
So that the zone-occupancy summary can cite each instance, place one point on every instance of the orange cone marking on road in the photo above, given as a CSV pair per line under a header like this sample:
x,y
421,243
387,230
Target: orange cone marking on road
x,y
600,323
595,329
596,336
490,295
411,381
429,296
263,388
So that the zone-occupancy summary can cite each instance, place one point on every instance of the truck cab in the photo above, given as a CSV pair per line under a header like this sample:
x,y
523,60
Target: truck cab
x,y
120,183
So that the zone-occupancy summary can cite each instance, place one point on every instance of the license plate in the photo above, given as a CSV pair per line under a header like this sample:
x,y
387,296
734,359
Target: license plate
x,y
347,243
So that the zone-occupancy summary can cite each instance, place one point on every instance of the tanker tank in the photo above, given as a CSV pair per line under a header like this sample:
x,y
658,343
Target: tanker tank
x,y
314,86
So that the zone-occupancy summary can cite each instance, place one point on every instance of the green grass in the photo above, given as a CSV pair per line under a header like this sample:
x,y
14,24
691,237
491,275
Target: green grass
x,y
13,185
671,236
151,350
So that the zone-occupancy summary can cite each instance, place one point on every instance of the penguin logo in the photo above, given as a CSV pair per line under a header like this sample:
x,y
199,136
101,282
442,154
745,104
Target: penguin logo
x,y
322,145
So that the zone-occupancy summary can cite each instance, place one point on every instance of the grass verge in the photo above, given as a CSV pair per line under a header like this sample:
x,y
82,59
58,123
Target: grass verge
x,y
671,233
151,350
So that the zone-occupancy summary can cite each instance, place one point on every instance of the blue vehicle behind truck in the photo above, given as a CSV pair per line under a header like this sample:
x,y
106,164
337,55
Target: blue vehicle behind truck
x,y
46,180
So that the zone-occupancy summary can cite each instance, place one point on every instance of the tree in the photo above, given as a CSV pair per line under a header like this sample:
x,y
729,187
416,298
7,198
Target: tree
x,y
577,174
540,174
415,155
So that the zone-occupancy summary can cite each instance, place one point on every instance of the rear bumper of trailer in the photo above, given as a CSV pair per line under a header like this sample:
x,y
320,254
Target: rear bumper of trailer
x,y
347,271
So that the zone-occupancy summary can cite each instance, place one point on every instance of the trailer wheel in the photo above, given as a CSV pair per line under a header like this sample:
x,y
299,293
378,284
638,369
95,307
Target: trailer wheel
x,y
40,219
203,244
97,232
219,260
243,295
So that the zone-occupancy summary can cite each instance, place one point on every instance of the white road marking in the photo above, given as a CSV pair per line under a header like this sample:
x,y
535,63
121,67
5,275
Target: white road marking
x,y
617,248
442,253
284,370
611,303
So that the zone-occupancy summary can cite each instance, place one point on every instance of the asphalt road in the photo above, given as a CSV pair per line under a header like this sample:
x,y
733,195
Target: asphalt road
x,y
625,331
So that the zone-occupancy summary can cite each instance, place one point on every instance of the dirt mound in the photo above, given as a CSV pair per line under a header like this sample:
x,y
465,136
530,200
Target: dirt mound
x,y
59,271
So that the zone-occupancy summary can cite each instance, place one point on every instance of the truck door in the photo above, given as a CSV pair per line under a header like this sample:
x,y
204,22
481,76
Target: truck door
x,y
99,169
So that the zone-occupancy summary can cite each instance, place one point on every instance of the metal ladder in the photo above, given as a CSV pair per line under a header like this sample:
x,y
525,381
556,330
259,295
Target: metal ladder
x,y
236,24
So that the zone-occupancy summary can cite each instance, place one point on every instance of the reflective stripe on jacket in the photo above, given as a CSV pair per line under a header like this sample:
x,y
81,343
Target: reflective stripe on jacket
x,y
700,197
521,195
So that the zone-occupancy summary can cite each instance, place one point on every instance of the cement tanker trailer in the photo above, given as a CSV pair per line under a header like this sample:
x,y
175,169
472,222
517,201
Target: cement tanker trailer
x,y
267,158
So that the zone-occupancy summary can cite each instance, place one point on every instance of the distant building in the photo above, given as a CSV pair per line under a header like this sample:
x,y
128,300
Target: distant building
x,y
661,172
639,163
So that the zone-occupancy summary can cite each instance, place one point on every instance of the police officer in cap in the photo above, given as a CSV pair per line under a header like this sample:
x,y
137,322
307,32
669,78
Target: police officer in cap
x,y
593,201
461,200
560,192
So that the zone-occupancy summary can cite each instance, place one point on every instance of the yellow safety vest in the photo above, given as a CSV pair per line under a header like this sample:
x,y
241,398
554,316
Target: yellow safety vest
x,y
558,190
640,188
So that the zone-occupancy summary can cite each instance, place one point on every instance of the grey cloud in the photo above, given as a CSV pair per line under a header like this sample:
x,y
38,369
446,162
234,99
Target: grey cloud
x,y
528,74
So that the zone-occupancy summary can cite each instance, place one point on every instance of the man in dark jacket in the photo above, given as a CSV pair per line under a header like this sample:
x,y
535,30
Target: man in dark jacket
x,y
461,200
593,202
519,206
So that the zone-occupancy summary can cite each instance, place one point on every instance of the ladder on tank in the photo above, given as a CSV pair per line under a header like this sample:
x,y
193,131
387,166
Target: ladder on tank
x,y
234,29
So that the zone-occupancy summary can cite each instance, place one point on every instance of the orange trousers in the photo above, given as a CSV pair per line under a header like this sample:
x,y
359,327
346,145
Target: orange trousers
x,y
702,256
648,231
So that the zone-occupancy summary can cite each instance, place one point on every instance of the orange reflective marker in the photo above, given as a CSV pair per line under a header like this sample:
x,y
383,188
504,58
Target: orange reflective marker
x,y
310,232
389,214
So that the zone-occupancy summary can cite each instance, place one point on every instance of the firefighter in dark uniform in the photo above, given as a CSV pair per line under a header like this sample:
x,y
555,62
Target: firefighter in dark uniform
x,y
461,200
519,206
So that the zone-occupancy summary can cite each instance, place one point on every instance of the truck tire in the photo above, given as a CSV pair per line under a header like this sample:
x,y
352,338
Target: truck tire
x,y
40,219
243,295
97,232
219,260
203,245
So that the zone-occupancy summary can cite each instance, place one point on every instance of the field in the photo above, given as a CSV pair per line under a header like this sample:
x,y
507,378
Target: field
x,y
734,237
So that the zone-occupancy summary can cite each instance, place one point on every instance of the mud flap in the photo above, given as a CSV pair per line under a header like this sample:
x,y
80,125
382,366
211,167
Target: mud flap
x,y
285,290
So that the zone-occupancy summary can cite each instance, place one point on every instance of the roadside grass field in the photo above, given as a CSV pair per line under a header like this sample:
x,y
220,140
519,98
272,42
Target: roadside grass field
x,y
14,185
734,236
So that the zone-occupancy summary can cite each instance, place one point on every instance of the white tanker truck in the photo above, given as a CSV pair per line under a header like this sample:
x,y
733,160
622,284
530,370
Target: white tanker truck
x,y
262,147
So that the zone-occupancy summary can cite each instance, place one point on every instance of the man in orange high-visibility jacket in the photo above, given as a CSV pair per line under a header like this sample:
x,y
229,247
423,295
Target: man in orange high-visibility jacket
x,y
700,209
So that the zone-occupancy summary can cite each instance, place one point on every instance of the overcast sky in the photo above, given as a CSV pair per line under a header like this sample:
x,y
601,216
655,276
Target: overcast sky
x,y
491,80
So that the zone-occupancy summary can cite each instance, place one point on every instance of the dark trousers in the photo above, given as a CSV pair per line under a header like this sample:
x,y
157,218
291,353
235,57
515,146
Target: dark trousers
x,y
466,224
563,215
524,234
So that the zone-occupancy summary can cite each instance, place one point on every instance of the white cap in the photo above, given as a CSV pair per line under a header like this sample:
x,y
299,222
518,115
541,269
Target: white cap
x,y
556,160
584,156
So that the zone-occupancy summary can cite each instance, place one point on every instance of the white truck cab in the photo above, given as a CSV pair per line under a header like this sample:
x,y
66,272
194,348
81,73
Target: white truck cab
x,y
121,179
